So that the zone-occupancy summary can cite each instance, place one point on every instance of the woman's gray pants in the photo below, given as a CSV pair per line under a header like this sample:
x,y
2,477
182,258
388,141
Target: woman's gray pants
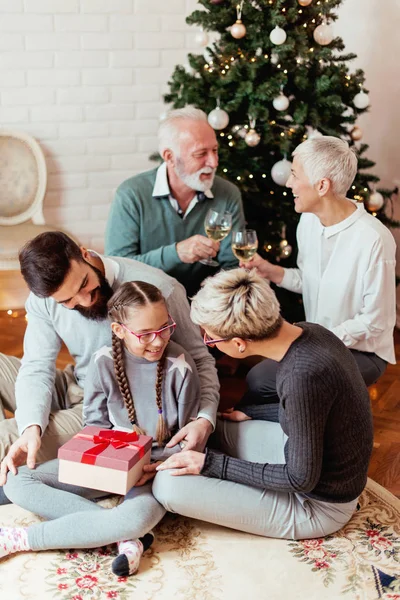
x,y
254,510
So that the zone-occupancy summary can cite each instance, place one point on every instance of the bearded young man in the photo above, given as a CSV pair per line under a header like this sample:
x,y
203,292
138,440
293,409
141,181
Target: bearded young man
x,y
70,287
157,217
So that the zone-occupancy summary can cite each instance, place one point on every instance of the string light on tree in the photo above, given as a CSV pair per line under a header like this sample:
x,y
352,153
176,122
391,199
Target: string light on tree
x,y
285,249
361,100
356,133
375,202
281,170
323,34
252,138
201,38
218,118
278,36
238,30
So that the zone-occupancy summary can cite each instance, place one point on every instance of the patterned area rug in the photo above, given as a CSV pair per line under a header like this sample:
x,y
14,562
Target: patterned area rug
x,y
192,560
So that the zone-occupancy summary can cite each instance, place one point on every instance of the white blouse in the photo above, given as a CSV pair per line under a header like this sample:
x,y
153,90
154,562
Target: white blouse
x,y
346,273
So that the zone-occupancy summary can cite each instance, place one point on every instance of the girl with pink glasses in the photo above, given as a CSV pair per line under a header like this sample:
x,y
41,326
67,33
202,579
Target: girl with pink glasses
x,y
144,382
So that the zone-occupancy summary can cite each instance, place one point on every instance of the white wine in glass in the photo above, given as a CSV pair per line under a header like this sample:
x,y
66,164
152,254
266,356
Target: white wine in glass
x,y
244,244
217,226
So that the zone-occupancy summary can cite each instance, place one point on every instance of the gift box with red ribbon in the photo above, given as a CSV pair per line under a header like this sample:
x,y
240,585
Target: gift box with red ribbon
x,y
104,459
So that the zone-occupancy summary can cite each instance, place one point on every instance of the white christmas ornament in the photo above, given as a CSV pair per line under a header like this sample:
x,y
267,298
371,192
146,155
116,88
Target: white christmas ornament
x,y
242,132
280,172
323,34
361,100
375,201
252,138
201,38
274,58
281,102
313,133
278,36
218,118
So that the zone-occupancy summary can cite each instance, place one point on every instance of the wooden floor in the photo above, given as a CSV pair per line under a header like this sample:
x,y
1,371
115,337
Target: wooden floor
x,y
385,395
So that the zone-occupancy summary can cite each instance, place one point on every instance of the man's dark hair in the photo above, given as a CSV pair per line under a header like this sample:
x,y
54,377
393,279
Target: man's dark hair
x,y
46,260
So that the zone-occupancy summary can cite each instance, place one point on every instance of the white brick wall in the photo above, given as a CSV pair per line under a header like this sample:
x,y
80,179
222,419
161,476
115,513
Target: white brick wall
x,y
85,77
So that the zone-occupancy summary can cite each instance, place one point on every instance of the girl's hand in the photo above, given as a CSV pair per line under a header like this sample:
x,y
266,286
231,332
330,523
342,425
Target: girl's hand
x,y
149,472
235,415
184,463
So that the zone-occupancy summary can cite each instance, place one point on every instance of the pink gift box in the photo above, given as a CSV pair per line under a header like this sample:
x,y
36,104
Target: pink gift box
x,y
104,459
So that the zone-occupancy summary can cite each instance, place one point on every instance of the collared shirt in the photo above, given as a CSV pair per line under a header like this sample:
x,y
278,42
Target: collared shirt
x,y
161,190
111,268
346,273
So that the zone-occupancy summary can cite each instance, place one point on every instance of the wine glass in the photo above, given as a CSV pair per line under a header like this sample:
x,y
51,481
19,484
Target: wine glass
x,y
244,244
217,225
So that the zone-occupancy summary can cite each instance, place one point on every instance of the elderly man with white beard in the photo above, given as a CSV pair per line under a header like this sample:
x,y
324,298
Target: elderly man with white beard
x,y
157,217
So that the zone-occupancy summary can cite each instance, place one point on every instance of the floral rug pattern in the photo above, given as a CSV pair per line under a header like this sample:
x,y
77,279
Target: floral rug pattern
x,y
192,560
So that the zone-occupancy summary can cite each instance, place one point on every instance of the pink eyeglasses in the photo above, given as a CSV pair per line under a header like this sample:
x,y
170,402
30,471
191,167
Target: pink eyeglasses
x,y
148,337
209,342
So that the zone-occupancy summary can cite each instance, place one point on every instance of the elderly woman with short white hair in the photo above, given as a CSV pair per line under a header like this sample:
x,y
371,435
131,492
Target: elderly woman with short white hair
x,y
345,265
288,470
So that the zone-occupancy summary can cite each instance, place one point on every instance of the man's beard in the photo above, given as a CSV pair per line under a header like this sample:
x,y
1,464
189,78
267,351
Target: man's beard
x,y
98,311
193,180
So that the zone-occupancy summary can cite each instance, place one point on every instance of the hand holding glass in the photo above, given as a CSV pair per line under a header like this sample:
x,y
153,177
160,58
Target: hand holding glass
x,y
217,226
244,244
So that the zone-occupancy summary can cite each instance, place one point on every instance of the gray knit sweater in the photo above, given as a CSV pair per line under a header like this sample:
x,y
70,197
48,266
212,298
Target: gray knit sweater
x,y
325,411
103,404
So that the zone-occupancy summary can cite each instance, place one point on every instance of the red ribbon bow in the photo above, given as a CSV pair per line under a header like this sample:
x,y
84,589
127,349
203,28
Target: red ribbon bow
x,y
107,437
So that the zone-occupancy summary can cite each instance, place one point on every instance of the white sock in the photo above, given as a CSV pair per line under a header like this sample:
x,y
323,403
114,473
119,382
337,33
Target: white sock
x,y
13,539
133,550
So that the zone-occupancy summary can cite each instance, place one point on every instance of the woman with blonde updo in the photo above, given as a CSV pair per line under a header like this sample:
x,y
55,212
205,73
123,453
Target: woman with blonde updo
x,y
289,470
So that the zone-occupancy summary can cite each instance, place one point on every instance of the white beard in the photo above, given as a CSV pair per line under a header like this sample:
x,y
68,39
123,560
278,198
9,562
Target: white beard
x,y
193,180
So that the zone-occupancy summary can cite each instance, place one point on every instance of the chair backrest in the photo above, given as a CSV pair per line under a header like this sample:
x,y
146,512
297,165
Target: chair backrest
x,y
23,179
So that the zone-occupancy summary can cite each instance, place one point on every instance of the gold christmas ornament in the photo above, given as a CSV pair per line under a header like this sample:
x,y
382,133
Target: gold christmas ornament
x,y
375,202
252,138
304,2
323,34
238,30
356,133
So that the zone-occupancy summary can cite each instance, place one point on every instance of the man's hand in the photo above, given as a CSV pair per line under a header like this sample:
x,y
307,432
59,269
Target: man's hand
x,y
149,472
184,463
25,448
193,436
234,415
196,248
264,268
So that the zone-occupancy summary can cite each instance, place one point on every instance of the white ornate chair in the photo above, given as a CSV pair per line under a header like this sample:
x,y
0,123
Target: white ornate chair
x,y
23,179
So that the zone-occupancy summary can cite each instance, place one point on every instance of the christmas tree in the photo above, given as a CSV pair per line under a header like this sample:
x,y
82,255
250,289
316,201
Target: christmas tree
x,y
275,76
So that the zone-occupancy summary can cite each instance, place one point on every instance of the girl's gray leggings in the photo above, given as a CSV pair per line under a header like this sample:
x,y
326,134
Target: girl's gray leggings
x,y
74,520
